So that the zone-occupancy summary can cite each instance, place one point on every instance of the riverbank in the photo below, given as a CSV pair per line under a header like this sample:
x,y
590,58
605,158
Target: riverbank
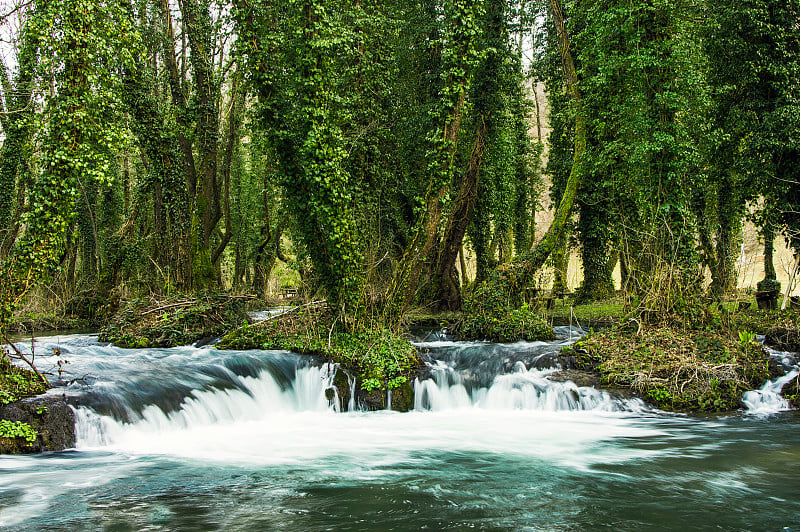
x,y
31,422
703,368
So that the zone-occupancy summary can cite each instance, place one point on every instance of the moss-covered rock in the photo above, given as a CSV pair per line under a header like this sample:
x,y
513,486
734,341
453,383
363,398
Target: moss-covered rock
x,y
176,321
791,391
50,420
379,359
674,369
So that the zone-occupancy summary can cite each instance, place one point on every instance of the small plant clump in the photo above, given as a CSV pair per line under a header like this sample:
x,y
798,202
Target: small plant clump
x,y
17,383
17,429
175,321
488,315
675,369
518,324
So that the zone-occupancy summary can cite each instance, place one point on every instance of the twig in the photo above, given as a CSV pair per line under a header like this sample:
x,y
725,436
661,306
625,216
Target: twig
x,y
172,305
28,362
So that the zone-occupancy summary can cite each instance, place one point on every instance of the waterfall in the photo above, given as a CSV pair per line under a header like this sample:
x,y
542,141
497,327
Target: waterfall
x,y
522,389
768,399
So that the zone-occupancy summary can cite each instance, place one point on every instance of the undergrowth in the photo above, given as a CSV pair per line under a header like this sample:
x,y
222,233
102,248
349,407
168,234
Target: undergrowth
x,y
179,320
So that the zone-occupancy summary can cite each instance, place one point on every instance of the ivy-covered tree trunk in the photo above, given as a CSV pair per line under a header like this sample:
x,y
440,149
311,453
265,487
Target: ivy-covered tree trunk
x,y
308,138
595,240
487,96
66,152
508,282
17,129
206,200
458,55
165,179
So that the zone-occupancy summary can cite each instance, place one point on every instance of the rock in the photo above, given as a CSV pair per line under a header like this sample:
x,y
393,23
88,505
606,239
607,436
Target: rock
x,y
49,416
783,339
791,391
775,369
579,377
402,398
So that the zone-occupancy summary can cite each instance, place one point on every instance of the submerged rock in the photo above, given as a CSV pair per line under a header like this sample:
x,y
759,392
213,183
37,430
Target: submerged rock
x,y
579,377
49,416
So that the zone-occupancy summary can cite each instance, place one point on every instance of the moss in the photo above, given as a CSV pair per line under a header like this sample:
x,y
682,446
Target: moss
x,y
791,392
676,369
179,320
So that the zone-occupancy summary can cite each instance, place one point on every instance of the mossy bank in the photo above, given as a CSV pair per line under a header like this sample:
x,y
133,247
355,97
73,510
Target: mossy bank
x,y
375,360
179,320
675,369
30,422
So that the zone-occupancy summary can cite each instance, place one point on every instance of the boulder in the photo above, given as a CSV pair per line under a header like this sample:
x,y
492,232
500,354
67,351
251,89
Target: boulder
x,y
791,391
49,416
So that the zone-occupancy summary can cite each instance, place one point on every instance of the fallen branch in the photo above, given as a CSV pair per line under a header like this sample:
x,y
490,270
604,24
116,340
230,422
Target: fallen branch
x,y
22,357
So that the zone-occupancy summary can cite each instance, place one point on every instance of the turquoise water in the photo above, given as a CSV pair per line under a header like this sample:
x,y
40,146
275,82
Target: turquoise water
x,y
199,439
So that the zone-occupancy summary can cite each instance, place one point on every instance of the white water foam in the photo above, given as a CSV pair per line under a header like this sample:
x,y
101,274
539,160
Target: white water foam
x,y
768,399
521,413
522,389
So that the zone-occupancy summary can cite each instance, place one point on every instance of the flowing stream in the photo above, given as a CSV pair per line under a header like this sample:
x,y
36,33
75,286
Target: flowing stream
x,y
193,438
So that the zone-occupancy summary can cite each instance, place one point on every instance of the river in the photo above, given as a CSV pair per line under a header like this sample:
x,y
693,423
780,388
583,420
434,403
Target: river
x,y
199,439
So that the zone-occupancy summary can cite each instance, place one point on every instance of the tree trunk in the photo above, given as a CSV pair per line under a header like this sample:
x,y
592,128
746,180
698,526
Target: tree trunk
x,y
510,280
449,295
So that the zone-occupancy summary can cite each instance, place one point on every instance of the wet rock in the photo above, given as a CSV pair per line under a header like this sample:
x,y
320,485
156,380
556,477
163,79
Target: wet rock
x,y
579,377
791,391
49,416
783,339
402,398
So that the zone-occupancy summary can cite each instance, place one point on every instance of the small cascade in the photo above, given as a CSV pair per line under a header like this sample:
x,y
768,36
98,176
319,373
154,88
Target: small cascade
x,y
522,389
263,315
768,399
257,398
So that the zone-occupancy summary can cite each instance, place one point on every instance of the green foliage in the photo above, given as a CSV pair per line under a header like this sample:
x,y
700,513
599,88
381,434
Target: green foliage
x,y
488,315
17,383
17,429
179,320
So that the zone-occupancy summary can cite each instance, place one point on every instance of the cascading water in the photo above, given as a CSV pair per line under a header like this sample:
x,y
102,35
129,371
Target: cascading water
x,y
768,399
506,377
197,438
